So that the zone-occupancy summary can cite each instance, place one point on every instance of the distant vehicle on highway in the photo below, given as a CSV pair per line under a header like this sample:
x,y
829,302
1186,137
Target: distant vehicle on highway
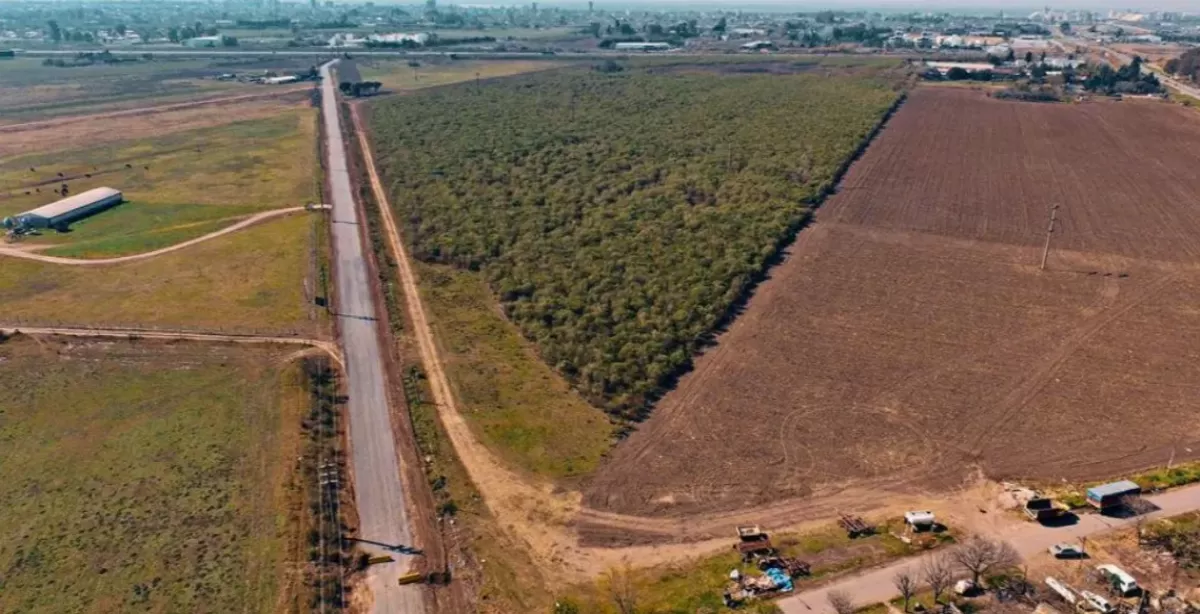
x,y
1066,551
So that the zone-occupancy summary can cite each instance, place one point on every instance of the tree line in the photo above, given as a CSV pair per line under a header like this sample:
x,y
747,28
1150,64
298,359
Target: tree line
x,y
1186,65
620,216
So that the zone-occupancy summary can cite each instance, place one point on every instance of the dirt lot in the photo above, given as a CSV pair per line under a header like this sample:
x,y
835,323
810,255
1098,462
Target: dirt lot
x,y
909,340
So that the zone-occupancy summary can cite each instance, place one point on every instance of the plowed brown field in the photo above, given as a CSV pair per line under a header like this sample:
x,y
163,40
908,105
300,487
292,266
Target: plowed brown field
x,y
909,339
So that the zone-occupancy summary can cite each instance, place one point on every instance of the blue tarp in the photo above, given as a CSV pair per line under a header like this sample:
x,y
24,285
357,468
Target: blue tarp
x,y
1124,487
782,581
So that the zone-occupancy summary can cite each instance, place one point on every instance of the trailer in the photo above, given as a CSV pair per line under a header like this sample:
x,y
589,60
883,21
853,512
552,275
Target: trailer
x,y
753,543
1044,509
1108,496
855,525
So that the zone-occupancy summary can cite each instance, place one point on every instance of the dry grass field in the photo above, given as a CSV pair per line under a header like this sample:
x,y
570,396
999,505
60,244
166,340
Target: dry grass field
x,y
398,76
910,340
177,186
147,122
148,477
32,91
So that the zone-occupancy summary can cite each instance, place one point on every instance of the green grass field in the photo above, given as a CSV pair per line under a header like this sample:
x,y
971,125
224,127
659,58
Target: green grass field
x,y
176,187
397,75
146,477
519,406
251,280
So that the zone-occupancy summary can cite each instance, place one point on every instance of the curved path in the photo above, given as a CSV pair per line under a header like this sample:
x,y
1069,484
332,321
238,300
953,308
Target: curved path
x,y
325,346
250,221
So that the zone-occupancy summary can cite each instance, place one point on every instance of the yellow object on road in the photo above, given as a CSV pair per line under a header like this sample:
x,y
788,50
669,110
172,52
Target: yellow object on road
x,y
411,577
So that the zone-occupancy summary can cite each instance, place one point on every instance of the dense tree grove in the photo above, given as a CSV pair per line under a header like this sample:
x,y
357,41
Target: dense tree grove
x,y
1186,65
1128,79
619,217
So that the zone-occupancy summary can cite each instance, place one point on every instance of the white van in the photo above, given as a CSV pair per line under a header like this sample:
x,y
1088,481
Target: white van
x,y
1123,582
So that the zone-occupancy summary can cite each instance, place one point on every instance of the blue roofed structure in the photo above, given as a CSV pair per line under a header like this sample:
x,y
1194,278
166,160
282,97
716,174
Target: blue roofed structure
x,y
1110,495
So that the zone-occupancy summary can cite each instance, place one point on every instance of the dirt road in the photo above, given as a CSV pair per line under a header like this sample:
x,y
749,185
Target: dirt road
x,y
250,221
125,333
379,494
876,586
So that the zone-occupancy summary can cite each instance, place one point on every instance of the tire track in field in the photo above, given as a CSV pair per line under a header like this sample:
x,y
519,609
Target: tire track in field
x,y
1049,363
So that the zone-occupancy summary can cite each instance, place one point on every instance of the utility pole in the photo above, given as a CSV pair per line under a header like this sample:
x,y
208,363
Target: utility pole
x,y
1049,233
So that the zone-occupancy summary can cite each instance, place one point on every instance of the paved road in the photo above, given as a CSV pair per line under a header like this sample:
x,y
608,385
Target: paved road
x,y
379,495
250,221
1029,539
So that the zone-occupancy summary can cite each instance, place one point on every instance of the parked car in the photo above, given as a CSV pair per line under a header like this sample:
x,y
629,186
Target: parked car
x,y
1097,602
1066,551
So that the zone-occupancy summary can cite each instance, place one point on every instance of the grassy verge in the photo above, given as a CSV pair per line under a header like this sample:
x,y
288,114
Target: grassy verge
x,y
321,469
697,585
503,576
1185,100
148,477
247,281
177,187
518,405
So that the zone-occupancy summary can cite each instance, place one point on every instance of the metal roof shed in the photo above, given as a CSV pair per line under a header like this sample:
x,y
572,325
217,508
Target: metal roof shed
x,y
919,518
1107,495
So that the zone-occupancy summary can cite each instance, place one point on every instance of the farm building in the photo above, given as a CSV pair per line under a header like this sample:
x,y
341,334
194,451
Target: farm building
x,y
1111,495
757,45
643,47
62,213
203,41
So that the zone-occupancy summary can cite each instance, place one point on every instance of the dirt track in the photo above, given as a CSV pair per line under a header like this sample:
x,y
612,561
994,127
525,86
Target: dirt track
x,y
328,347
250,221
909,339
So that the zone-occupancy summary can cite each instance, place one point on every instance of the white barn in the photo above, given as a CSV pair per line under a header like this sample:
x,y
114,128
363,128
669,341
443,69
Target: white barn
x,y
62,213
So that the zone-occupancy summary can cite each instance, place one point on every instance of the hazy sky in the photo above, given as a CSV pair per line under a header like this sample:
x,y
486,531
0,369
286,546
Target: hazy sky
x,y
1019,7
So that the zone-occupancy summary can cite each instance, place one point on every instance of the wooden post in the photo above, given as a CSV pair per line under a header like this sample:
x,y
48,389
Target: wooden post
x,y
1049,232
